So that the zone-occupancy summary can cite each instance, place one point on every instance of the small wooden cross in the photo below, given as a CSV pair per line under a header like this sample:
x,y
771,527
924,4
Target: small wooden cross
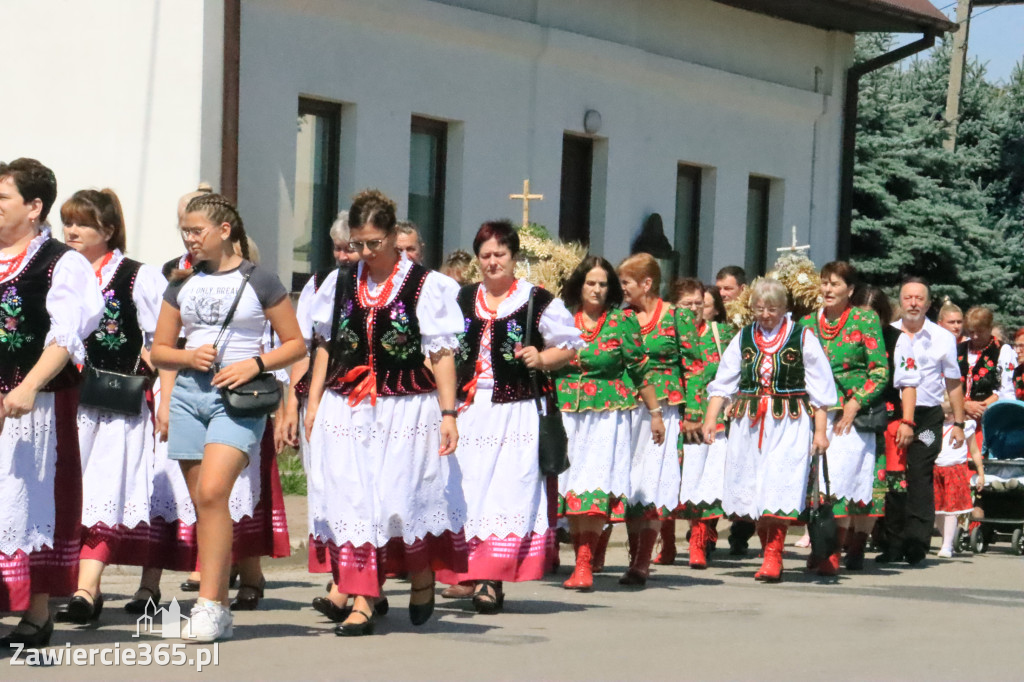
x,y
526,197
794,247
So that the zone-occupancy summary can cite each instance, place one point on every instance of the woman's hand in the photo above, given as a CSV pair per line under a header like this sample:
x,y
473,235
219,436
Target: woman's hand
x,y
202,358
819,445
19,401
289,424
974,409
531,357
657,428
979,481
904,436
692,431
163,420
449,435
236,374
311,408
710,430
842,426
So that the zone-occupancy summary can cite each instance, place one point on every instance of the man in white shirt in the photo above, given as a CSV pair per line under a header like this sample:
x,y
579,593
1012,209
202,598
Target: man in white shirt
x,y
934,351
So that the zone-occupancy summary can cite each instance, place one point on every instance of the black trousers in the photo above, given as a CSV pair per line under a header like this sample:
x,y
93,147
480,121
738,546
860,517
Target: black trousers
x,y
910,516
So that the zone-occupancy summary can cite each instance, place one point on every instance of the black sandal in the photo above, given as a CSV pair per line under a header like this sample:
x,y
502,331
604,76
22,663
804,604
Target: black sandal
x,y
138,606
488,597
420,613
356,629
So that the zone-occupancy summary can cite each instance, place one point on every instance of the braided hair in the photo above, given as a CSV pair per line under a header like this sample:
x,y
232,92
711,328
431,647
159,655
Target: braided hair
x,y
218,209
373,207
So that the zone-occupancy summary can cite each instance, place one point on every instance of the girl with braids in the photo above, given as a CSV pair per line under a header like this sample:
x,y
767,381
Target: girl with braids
x,y
116,449
381,424
212,445
49,304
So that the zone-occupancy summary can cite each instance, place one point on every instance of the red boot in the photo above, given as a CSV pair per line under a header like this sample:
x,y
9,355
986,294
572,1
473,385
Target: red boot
x,y
601,549
771,569
830,566
582,578
640,563
698,544
667,555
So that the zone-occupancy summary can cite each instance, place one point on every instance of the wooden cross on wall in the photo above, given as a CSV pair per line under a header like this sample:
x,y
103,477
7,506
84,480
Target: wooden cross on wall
x,y
527,198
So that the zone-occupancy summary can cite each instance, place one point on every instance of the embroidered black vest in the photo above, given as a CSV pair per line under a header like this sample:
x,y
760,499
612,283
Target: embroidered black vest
x,y
25,322
397,357
787,389
511,377
302,385
981,380
117,342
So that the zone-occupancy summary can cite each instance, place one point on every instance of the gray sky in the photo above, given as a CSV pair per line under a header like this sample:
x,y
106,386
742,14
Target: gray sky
x,y
997,36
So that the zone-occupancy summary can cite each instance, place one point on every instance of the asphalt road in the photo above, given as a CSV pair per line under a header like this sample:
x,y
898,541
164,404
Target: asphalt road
x,y
958,619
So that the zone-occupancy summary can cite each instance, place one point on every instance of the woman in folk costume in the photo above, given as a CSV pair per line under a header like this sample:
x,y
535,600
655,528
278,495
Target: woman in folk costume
x,y
382,423
335,604
507,513
49,303
780,380
986,365
700,493
116,447
668,335
853,341
596,395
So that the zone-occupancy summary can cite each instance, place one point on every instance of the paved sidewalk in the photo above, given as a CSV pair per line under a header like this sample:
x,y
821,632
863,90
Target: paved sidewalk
x,y
955,619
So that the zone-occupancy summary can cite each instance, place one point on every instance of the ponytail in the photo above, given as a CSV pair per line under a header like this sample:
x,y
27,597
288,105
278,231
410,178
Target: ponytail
x,y
100,210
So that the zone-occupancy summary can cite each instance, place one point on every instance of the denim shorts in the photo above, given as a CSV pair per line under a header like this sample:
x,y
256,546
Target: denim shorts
x,y
198,419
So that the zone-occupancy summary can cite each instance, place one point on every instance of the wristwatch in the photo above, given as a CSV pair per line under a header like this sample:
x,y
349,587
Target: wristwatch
x,y
450,413
959,425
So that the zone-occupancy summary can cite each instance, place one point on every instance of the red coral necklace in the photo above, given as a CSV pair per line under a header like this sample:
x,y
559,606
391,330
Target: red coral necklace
x,y
772,347
589,335
481,298
103,264
9,267
830,330
376,300
655,318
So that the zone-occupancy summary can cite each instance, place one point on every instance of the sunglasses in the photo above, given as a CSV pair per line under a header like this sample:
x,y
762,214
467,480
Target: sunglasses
x,y
372,244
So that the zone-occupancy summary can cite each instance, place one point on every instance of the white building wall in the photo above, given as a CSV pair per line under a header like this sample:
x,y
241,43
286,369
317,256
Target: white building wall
x,y
117,93
516,87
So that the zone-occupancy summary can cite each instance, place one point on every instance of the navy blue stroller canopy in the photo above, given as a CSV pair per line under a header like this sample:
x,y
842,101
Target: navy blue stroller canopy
x,y
1003,427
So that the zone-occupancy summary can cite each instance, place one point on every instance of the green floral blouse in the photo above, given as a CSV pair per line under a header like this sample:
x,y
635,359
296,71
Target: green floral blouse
x,y
702,367
857,356
605,374
668,346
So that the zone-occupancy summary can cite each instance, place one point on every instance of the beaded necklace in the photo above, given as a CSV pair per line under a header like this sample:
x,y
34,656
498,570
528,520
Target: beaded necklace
x,y
772,347
103,264
372,303
830,330
589,335
653,322
9,267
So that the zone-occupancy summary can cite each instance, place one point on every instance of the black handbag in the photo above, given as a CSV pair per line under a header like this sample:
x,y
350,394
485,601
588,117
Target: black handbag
x,y
872,419
821,523
552,441
113,391
257,397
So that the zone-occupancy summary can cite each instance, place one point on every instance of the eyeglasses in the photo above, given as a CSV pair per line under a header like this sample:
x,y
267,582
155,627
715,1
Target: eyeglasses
x,y
193,231
758,310
371,244
692,305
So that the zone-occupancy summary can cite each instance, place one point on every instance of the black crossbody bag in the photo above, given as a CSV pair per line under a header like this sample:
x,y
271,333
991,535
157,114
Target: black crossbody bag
x,y
821,525
552,441
257,397
113,391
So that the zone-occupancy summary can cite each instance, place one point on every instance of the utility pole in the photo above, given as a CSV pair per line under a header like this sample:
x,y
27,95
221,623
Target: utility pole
x,y
956,71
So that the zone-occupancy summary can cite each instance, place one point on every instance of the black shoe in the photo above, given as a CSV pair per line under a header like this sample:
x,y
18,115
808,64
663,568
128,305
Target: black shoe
x,y
329,609
189,586
738,546
889,557
488,597
855,562
139,606
420,613
251,599
37,639
382,607
914,554
81,611
356,629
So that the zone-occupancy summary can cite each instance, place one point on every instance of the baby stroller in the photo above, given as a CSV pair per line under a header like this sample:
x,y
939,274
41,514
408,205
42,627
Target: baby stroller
x,y
1002,498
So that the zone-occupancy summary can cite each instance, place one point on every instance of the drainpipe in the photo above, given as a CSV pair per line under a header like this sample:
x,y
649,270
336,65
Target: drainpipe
x,y
229,120
853,76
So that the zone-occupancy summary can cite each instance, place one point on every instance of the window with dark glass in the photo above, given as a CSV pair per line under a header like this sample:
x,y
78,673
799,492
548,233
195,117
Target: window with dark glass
x,y
317,159
687,228
428,152
574,196
758,196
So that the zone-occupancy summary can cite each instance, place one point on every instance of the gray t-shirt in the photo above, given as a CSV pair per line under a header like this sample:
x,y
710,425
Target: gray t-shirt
x,y
205,298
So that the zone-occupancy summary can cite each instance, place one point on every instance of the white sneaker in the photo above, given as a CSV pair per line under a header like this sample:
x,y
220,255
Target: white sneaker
x,y
208,622
945,553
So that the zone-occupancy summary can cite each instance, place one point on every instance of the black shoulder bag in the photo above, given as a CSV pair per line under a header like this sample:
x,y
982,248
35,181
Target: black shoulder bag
x,y
821,524
552,441
113,391
257,397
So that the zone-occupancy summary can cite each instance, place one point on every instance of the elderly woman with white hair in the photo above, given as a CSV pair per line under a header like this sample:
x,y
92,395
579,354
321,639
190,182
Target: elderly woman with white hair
x,y
335,604
779,379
